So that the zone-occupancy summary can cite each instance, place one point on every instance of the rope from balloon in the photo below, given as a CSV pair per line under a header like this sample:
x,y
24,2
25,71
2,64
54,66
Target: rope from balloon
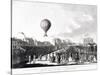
x,y
45,35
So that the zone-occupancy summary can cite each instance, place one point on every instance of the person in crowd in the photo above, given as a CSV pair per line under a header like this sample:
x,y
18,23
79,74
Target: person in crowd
x,y
58,58
53,58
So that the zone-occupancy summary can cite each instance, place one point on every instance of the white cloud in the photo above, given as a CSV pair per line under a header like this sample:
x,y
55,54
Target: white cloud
x,y
68,30
75,25
85,18
88,17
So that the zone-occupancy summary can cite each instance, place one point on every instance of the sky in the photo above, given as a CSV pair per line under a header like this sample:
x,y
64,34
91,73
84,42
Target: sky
x,y
67,20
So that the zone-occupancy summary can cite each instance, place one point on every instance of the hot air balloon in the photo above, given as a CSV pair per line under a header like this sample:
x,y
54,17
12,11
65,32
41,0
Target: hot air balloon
x,y
45,25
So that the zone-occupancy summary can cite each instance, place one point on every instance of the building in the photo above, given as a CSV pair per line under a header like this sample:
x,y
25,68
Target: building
x,y
88,40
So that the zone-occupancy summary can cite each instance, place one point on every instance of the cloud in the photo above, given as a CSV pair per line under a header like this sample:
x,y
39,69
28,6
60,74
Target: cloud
x,y
85,18
75,25
68,30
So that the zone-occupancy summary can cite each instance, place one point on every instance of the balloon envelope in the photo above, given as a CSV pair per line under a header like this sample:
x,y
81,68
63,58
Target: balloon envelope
x,y
45,25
